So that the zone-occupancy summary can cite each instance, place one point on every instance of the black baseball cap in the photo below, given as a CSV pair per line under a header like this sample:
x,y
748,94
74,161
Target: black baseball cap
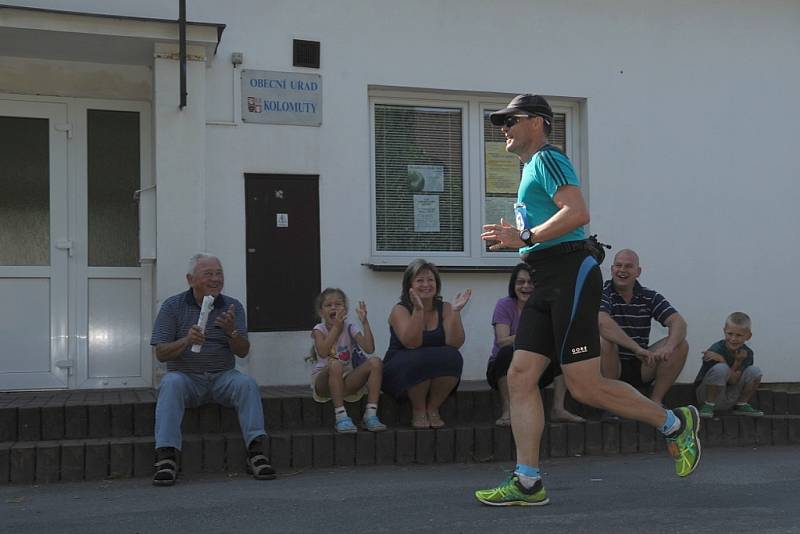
x,y
530,104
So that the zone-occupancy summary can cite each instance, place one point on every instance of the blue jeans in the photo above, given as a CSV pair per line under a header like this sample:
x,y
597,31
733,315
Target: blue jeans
x,y
179,391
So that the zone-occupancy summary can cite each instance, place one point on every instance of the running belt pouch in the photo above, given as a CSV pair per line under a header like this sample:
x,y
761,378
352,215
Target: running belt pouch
x,y
596,248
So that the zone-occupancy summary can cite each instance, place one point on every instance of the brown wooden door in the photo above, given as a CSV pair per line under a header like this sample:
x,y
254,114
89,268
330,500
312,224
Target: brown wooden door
x,y
283,260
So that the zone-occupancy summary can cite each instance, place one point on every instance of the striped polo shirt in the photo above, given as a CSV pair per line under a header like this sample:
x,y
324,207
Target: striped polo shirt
x,y
634,318
178,313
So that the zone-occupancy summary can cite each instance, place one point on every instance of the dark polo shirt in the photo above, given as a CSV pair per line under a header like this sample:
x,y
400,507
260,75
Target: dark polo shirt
x,y
635,318
178,313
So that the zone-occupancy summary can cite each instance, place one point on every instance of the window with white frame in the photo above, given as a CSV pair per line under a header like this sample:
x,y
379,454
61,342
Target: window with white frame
x,y
440,171
419,178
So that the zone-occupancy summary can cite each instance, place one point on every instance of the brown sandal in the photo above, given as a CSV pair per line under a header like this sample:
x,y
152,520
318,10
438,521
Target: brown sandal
x,y
166,472
436,420
503,421
420,421
258,466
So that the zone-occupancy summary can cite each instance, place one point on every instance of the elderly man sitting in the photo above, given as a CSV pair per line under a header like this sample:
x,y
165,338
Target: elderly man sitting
x,y
196,378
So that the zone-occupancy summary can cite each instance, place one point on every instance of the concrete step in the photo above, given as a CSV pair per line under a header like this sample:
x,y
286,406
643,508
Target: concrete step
x,y
45,461
79,415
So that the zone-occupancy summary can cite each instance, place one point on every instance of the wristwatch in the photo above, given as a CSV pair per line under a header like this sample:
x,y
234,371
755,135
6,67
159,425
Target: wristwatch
x,y
527,236
233,335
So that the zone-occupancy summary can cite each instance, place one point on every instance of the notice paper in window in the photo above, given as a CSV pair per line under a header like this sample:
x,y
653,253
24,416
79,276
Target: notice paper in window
x,y
426,213
497,207
502,169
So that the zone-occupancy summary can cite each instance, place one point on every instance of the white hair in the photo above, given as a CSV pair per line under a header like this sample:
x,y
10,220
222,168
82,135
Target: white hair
x,y
194,260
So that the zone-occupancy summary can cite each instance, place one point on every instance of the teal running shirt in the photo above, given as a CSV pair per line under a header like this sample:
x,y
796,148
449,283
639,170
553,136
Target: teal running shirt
x,y
548,169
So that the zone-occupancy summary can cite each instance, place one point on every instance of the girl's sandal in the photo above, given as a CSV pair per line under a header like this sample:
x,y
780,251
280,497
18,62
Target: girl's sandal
x,y
436,420
166,472
258,466
420,421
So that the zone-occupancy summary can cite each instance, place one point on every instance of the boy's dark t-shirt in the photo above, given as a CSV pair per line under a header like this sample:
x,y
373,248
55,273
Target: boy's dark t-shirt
x,y
720,348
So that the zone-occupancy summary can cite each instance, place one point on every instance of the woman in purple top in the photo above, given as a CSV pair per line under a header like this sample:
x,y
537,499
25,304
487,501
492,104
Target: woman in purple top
x,y
505,320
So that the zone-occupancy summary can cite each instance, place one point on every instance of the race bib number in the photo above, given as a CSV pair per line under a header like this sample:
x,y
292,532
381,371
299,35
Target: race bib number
x,y
521,214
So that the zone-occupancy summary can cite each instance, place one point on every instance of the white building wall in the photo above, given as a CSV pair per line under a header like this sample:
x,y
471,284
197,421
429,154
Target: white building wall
x,y
75,79
689,142
180,142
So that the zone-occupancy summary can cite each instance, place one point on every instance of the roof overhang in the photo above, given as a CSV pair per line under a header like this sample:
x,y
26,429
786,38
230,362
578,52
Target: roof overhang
x,y
72,36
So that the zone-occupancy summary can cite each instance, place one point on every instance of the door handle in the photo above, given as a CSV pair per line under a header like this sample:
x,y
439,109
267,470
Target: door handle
x,y
65,245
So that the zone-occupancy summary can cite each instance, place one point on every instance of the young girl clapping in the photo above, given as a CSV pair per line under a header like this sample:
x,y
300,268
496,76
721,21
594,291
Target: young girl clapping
x,y
335,375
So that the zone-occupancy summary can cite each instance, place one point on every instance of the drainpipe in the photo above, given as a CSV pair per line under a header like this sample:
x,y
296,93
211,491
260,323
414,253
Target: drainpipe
x,y
182,39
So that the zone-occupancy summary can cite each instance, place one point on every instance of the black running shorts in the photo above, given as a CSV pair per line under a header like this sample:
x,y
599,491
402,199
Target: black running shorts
x,y
560,319
630,371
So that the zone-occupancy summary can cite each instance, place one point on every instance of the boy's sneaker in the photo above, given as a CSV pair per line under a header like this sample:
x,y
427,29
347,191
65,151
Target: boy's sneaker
x,y
511,493
707,411
373,424
746,409
685,446
345,426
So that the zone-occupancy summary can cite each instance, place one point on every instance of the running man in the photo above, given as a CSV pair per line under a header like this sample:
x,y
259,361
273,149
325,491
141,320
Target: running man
x,y
558,325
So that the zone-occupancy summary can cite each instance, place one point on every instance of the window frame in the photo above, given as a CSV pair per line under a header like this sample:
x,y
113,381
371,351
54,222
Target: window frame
x,y
472,105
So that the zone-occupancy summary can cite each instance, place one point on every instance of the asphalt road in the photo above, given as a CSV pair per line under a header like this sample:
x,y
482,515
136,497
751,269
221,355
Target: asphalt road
x,y
734,490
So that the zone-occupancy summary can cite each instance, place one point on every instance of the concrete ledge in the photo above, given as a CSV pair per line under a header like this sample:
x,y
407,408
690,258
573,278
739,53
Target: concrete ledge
x,y
292,451
81,415
49,437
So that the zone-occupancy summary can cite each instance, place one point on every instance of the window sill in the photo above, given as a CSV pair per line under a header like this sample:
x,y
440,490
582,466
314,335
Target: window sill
x,y
399,268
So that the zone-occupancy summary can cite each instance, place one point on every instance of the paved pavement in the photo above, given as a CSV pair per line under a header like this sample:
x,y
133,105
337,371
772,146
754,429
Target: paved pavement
x,y
734,490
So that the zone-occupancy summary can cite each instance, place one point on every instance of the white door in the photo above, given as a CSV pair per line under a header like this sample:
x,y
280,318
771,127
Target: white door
x,y
34,245
111,287
76,297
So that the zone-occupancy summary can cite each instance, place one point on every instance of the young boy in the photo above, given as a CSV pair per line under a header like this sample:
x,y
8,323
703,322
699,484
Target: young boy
x,y
728,375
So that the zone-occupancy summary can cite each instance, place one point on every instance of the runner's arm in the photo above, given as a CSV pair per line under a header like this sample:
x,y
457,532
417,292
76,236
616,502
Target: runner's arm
x,y
572,213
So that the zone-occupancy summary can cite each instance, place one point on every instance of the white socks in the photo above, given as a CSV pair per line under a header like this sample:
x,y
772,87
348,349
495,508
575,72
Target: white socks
x,y
526,481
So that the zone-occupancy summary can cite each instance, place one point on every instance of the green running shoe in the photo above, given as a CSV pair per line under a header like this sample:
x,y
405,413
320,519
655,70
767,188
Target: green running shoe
x,y
685,447
707,411
746,409
511,493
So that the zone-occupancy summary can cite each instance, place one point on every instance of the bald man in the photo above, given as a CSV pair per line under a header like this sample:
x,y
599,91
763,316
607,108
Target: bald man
x,y
626,311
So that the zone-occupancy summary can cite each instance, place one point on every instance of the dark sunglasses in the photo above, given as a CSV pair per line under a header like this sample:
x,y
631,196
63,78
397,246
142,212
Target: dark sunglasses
x,y
511,120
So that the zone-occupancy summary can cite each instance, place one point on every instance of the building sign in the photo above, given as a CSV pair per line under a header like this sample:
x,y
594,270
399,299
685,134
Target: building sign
x,y
271,97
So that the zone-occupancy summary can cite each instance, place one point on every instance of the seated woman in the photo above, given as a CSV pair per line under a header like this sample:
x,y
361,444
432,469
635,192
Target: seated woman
x,y
505,319
423,360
